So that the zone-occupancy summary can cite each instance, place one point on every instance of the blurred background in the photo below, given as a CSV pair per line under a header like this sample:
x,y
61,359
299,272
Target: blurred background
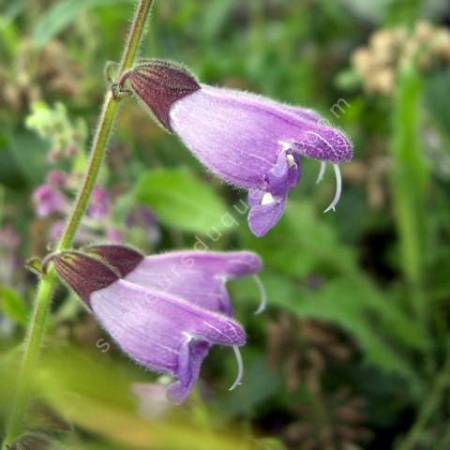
x,y
353,351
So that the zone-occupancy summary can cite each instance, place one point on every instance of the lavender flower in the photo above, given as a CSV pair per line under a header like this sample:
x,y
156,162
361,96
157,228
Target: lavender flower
x,y
100,205
48,200
57,179
114,236
249,141
165,311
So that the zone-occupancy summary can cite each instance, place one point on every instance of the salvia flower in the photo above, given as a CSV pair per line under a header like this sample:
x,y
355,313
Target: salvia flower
x,y
165,311
100,206
57,178
248,141
49,200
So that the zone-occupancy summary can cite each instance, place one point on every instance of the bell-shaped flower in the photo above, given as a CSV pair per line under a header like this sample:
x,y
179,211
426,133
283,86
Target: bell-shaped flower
x,y
249,141
165,311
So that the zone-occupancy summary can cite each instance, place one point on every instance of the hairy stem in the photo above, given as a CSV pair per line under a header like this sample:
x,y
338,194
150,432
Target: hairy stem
x,y
37,325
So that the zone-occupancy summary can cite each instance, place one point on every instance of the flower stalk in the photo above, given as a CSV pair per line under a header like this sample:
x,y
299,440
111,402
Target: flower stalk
x,y
37,325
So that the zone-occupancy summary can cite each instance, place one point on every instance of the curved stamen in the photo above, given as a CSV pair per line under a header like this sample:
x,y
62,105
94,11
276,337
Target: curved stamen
x,y
323,167
337,195
262,293
240,366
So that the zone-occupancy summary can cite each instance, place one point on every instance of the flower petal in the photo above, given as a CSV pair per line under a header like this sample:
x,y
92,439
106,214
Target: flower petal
x,y
324,144
198,277
304,113
153,327
191,357
264,216
235,140
237,136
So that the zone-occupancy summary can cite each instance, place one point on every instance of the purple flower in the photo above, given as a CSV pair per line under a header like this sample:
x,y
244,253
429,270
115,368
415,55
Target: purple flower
x,y
114,236
100,205
9,239
49,200
57,179
248,141
165,311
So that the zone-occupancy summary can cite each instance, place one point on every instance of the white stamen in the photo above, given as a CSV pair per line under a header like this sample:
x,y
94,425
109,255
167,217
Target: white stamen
x,y
291,161
262,293
240,366
337,195
267,199
323,167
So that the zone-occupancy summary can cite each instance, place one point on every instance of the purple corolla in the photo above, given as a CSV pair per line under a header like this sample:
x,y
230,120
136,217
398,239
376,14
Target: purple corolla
x,y
165,311
249,141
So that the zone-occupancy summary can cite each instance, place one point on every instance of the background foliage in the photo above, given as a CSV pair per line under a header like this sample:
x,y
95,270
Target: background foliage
x,y
353,351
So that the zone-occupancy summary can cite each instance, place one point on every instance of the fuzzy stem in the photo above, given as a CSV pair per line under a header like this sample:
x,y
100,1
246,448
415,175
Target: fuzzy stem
x,y
37,325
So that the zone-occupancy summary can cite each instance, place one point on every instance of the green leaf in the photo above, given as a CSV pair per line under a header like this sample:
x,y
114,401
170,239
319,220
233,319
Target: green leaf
x,y
437,104
216,16
409,183
13,305
94,393
29,155
182,201
63,14
302,243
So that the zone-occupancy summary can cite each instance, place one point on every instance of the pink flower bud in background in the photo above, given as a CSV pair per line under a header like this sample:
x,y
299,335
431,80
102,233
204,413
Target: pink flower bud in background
x,y
48,200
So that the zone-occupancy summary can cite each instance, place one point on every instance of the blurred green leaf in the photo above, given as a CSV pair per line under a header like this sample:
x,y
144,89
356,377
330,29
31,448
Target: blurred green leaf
x,y
215,17
409,179
63,14
301,244
262,384
438,104
270,444
95,395
13,9
182,201
29,153
13,305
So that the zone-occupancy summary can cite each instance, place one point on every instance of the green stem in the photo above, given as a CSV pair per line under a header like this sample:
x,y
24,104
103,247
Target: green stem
x,y
37,325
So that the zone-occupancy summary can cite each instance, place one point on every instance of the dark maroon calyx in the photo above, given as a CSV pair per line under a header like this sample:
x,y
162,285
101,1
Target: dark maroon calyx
x,y
121,259
159,84
83,273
